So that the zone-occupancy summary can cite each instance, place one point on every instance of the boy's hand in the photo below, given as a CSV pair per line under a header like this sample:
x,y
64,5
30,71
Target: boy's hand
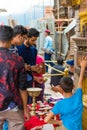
x,y
84,62
83,67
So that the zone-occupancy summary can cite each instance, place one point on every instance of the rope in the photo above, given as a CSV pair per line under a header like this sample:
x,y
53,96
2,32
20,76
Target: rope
x,y
54,68
50,61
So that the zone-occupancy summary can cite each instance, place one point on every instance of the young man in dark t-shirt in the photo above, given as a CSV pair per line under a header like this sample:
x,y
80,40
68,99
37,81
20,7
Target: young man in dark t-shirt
x,y
29,52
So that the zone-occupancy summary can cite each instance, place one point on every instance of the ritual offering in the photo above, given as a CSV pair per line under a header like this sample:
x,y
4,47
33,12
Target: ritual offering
x,y
34,92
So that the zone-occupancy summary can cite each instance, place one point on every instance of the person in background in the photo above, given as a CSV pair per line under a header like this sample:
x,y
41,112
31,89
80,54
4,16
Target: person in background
x,y
70,63
38,78
55,80
13,94
48,48
71,107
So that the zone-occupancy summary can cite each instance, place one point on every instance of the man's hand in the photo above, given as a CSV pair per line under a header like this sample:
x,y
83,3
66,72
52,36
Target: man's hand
x,y
55,89
27,67
26,115
24,96
39,80
36,68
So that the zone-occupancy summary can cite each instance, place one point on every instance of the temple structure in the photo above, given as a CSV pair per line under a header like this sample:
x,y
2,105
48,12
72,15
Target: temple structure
x,y
80,39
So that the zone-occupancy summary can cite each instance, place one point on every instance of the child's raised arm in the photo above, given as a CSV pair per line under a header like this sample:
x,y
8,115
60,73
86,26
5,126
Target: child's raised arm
x,y
83,67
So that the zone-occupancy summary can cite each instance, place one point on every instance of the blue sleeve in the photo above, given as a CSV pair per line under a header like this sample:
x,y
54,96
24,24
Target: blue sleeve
x,y
46,43
78,92
56,108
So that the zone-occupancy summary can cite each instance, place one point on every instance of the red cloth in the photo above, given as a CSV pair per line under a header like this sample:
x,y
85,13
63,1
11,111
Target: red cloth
x,y
33,122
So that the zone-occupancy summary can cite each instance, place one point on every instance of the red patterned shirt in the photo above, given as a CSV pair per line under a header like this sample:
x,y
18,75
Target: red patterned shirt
x,y
12,78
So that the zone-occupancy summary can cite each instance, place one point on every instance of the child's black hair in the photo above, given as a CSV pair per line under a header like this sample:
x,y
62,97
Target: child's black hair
x,y
66,83
60,60
6,33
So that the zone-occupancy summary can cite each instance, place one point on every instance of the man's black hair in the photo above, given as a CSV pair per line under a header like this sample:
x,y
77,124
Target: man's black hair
x,y
32,32
24,31
60,60
6,33
66,83
19,29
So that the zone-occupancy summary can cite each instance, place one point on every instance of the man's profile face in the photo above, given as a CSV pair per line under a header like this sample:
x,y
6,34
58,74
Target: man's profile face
x,y
32,40
18,40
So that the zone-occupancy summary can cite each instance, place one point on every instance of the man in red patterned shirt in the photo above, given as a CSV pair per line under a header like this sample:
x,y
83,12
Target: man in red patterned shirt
x,y
13,94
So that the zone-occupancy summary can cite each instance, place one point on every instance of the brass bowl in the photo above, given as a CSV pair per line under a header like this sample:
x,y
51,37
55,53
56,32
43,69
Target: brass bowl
x,y
34,92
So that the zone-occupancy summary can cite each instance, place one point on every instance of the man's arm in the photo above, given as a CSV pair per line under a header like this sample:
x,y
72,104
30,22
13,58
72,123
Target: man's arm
x,y
22,79
83,67
24,96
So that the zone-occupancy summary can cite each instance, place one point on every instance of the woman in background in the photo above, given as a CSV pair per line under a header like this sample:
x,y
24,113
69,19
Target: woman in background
x,y
38,78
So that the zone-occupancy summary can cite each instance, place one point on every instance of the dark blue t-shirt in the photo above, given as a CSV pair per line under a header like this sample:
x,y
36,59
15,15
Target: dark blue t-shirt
x,y
28,53
29,56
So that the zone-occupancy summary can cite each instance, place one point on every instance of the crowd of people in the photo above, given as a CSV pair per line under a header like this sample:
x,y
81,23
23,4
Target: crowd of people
x,y
22,67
